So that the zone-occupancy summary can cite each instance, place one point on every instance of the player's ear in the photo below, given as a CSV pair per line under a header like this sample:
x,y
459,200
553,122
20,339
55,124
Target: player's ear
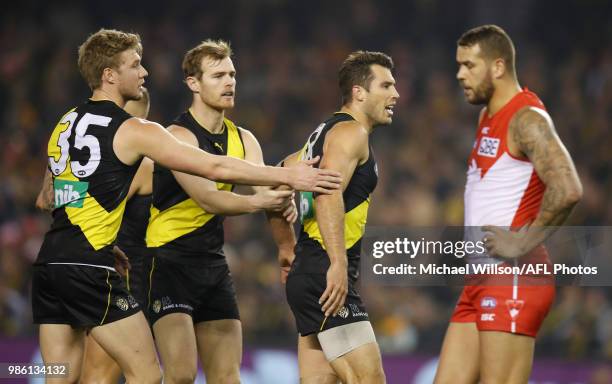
x,y
499,68
359,93
109,75
193,84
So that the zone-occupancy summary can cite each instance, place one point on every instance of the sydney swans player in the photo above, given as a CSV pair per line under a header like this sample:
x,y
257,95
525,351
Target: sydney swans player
x,y
520,176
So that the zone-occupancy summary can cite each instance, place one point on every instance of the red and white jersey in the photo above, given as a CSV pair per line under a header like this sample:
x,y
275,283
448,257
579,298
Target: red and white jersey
x,y
501,189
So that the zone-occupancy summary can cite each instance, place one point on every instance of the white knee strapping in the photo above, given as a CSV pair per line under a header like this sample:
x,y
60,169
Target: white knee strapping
x,y
341,340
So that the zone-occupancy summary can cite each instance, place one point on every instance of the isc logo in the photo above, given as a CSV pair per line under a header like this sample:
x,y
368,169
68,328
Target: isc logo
x,y
487,317
488,146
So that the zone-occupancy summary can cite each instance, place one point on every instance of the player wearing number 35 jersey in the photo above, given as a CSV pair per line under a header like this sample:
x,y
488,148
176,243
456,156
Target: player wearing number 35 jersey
x,y
94,152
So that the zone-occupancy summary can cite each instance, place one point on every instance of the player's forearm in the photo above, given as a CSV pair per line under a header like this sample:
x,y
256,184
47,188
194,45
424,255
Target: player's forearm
x,y
44,200
226,203
557,204
187,158
330,218
238,171
282,232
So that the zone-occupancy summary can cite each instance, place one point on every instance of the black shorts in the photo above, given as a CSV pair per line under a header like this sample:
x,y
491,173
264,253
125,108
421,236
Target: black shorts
x,y
137,278
204,292
78,295
303,293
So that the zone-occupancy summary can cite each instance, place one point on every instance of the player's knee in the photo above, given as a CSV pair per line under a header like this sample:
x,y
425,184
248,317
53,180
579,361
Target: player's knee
x,y
96,376
179,376
376,376
230,376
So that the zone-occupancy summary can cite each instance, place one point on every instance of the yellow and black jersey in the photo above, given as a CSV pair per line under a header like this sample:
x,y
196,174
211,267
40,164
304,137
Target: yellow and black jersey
x,y
135,220
90,185
179,227
310,249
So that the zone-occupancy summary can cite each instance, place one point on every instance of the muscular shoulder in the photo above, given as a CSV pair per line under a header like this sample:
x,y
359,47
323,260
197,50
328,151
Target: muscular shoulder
x,y
135,127
350,132
183,134
348,137
530,126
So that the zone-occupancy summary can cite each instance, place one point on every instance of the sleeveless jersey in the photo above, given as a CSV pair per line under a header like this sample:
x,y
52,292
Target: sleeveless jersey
x,y
311,256
90,185
135,220
501,189
178,225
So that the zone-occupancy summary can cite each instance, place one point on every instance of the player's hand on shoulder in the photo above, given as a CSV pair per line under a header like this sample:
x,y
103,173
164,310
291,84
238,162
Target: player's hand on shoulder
x,y
305,177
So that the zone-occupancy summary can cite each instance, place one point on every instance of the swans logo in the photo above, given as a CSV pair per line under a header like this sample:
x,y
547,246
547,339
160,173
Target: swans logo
x,y
514,307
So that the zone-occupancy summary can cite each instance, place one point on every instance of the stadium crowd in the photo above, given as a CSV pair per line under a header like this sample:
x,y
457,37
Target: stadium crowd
x,y
287,54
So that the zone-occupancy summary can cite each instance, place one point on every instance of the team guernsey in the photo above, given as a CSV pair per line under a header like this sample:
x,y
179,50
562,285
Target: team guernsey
x,y
131,239
307,279
178,225
75,264
505,191
189,272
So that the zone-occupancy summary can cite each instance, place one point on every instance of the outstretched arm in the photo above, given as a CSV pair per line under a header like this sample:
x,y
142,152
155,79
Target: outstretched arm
x,y
136,138
220,202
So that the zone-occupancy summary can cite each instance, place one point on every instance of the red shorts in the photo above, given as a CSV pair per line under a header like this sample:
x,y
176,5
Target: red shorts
x,y
518,308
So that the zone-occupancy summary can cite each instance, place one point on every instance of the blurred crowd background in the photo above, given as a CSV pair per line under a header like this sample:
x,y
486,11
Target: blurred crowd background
x,y
287,54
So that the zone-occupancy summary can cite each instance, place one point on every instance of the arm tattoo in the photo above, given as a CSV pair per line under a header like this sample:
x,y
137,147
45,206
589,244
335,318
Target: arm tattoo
x,y
534,133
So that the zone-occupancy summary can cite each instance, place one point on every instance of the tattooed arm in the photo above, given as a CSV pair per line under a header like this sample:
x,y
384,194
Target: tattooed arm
x,y
531,133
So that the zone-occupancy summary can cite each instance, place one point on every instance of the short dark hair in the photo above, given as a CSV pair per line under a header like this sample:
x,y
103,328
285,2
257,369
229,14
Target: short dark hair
x,y
101,50
494,43
356,70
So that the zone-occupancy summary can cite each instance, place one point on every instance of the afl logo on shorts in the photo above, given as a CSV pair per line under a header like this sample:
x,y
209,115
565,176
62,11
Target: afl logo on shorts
x,y
488,302
343,312
156,306
122,304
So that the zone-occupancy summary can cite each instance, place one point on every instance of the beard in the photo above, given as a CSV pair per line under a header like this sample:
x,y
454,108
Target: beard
x,y
483,93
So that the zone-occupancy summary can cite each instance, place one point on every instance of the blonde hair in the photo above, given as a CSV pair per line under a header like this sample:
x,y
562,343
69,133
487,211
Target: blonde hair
x,y
216,49
101,50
